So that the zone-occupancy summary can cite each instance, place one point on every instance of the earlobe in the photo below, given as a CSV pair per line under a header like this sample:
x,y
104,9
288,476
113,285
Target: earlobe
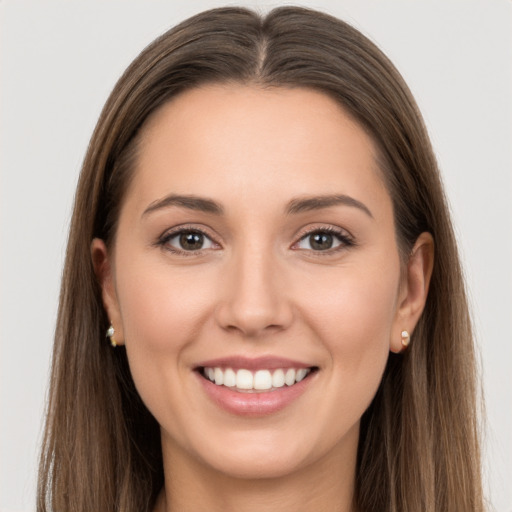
x,y
101,260
414,292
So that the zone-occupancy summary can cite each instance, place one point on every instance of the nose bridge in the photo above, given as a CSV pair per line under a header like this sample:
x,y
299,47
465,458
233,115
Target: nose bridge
x,y
254,301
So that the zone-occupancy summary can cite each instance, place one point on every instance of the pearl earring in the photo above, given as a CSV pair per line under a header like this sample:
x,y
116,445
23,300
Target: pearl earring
x,y
406,339
110,334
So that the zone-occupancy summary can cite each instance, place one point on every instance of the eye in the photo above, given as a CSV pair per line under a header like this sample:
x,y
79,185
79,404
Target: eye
x,y
187,240
323,240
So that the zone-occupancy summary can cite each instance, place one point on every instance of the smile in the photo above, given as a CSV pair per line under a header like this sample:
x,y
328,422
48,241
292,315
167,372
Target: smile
x,y
255,387
244,380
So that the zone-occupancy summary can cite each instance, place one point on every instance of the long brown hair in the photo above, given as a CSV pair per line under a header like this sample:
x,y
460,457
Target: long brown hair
x,y
418,447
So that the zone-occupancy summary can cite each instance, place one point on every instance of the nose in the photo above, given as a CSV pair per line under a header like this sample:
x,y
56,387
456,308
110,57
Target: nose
x,y
253,300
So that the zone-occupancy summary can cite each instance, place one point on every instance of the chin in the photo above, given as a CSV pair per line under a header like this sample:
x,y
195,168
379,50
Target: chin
x,y
272,453
257,464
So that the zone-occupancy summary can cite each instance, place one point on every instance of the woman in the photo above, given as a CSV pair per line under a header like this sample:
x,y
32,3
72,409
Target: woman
x,y
261,232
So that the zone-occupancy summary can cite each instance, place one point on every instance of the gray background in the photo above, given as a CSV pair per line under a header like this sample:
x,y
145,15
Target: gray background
x,y
59,61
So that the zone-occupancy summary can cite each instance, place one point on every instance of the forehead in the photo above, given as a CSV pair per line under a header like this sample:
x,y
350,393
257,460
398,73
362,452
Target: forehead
x,y
239,141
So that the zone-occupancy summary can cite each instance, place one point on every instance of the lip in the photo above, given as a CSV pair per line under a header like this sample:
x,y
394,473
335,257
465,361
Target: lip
x,y
254,404
253,364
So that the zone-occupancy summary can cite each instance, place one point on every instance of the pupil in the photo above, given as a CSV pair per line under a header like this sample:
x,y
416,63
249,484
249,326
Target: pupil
x,y
191,241
321,241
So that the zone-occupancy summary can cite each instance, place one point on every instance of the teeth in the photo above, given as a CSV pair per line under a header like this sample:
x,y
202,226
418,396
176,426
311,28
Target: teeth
x,y
260,380
219,376
244,379
300,374
278,379
289,378
229,378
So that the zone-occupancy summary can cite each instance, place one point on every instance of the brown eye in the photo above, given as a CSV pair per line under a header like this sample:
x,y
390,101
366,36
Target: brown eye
x,y
321,241
191,241
324,240
188,241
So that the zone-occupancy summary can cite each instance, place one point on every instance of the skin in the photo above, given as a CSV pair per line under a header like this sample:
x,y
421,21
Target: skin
x,y
259,288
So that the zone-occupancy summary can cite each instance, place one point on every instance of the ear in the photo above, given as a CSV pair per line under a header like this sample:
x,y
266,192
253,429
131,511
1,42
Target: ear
x,y
413,290
102,262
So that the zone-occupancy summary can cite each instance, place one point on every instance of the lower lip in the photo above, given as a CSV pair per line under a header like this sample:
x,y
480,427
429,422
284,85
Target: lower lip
x,y
255,403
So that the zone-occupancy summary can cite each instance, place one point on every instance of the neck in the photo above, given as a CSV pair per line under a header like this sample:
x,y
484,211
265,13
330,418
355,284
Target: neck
x,y
326,485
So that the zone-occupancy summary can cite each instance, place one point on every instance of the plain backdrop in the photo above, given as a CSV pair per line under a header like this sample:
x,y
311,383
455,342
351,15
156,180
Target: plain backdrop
x,y
59,61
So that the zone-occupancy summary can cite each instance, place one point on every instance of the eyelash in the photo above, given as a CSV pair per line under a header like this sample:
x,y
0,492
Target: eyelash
x,y
346,241
164,240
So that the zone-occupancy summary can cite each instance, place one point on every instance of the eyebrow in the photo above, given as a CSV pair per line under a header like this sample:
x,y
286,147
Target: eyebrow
x,y
295,206
318,202
190,202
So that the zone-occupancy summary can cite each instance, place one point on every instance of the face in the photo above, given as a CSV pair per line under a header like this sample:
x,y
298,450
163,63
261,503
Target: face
x,y
255,278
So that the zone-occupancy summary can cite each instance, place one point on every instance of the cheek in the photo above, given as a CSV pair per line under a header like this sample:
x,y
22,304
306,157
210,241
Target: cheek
x,y
162,312
353,315
161,309
356,300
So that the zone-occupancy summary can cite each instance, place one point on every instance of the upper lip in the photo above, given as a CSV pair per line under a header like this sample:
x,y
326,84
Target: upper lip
x,y
257,363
